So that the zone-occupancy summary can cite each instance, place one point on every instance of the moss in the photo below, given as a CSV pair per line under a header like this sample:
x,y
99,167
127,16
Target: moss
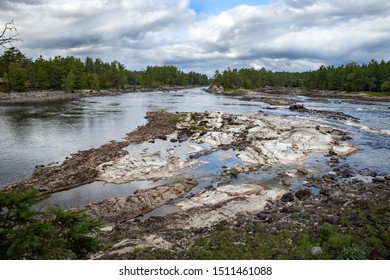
x,y
198,128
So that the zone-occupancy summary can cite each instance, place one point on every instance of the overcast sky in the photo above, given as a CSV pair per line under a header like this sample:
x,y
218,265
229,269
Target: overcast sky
x,y
200,35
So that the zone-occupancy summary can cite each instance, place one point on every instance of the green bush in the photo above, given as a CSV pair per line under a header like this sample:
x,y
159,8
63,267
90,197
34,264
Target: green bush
x,y
50,234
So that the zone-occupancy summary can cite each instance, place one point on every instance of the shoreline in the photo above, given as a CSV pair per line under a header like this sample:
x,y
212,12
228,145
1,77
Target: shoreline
x,y
290,91
15,98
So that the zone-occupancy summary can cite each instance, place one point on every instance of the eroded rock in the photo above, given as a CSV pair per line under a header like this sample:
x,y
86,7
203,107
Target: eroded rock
x,y
224,203
142,201
78,169
267,140
144,166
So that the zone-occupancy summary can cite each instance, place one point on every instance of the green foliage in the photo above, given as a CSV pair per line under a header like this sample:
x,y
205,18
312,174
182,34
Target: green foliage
x,y
51,234
371,77
193,116
68,83
156,76
69,73
385,86
176,120
352,253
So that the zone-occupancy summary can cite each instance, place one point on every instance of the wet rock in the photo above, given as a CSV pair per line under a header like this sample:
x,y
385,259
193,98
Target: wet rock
x,y
387,176
298,108
373,173
334,159
328,114
344,149
160,124
262,139
287,197
325,192
286,181
302,170
303,194
142,201
378,179
78,169
213,206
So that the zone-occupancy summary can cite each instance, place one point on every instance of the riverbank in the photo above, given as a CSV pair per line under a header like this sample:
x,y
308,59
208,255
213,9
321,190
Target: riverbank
x,y
229,219
277,95
52,96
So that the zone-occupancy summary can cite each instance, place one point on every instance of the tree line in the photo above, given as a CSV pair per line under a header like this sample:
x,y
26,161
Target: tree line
x,y
19,73
372,77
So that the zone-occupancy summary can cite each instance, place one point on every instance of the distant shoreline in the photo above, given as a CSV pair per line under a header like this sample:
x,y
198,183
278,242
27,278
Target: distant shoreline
x,y
282,91
14,98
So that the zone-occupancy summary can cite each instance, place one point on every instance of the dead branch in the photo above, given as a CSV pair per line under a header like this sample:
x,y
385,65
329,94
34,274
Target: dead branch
x,y
7,40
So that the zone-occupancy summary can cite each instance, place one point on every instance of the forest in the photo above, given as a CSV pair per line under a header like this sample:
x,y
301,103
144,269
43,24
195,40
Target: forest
x,y
352,77
19,73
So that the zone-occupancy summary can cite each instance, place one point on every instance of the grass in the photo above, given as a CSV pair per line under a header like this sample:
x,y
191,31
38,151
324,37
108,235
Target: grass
x,y
176,120
363,233
198,128
379,94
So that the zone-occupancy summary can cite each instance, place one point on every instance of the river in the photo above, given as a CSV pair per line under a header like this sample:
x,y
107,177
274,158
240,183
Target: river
x,y
41,133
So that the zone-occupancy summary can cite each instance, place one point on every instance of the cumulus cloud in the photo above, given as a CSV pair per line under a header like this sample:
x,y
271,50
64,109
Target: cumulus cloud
x,y
293,35
73,26
318,32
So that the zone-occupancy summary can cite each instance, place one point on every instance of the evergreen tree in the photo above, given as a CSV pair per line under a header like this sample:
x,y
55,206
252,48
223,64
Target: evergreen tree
x,y
51,234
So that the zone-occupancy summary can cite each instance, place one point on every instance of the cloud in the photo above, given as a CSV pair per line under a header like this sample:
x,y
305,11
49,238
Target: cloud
x,y
64,25
312,31
293,35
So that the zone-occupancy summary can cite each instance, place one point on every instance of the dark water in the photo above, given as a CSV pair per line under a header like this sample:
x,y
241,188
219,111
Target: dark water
x,y
34,134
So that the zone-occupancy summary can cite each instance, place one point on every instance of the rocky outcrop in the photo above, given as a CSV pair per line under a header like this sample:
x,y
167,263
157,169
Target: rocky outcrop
x,y
345,205
327,114
266,139
78,169
212,206
143,166
159,125
142,201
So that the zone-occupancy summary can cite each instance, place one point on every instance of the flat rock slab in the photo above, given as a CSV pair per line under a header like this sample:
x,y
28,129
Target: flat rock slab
x,y
142,201
224,203
143,166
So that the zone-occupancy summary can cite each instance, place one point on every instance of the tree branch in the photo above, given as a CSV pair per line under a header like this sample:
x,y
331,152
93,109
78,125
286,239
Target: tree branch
x,y
9,39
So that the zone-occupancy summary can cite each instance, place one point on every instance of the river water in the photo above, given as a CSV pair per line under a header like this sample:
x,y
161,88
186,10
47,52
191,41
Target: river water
x,y
34,134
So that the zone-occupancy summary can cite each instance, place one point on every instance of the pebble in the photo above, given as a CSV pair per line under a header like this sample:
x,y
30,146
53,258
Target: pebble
x,y
316,251
302,170
287,197
378,180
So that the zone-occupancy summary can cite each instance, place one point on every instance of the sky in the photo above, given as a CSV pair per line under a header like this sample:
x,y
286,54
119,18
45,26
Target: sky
x,y
200,35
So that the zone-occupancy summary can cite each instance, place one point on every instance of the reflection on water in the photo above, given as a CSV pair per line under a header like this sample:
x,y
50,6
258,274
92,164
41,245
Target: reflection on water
x,y
96,191
34,134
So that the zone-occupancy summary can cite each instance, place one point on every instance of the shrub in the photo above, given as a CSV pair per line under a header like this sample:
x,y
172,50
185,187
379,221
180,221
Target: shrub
x,y
50,234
